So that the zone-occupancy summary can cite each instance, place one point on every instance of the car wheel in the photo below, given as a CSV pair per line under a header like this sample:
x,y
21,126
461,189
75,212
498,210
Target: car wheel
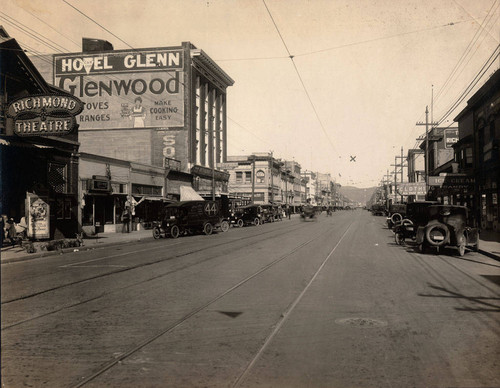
x,y
400,238
240,223
224,226
174,231
256,221
437,234
208,228
156,233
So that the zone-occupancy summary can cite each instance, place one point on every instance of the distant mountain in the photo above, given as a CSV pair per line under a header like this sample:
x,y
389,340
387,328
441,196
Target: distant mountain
x,y
356,194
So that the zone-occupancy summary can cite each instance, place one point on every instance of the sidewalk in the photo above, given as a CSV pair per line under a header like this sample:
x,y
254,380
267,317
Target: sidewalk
x,y
9,254
489,244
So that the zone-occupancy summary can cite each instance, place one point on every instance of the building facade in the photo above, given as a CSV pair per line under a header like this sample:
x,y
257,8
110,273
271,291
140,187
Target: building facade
x,y
164,108
477,151
38,148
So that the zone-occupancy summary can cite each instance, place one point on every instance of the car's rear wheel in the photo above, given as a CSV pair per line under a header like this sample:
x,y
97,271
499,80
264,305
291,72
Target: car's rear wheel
x,y
208,228
437,235
240,223
400,238
174,231
224,226
256,221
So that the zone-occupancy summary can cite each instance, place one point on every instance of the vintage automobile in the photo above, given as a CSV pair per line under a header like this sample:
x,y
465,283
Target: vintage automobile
x,y
415,217
397,212
308,213
378,209
447,226
248,215
189,217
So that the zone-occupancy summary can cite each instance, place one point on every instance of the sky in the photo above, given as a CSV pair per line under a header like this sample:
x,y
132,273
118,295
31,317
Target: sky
x,y
316,81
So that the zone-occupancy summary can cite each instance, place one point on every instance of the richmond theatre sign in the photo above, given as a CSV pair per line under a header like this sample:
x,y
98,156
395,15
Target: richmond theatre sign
x,y
125,89
49,115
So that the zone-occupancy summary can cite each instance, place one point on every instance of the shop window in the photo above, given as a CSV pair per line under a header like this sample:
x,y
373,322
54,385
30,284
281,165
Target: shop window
x,y
56,177
239,176
63,209
146,190
260,176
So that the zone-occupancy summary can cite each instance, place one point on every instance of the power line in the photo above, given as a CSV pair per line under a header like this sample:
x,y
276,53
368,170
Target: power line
x,y
300,78
94,21
473,83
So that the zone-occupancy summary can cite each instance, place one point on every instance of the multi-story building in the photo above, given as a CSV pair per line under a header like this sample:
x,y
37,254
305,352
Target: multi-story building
x,y
477,153
311,185
38,147
257,176
159,107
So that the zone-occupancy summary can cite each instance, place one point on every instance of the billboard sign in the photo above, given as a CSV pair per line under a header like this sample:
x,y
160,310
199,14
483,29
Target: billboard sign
x,y
125,89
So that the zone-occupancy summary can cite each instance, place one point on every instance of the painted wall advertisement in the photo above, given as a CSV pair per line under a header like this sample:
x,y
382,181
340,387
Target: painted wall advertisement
x,y
125,89
38,217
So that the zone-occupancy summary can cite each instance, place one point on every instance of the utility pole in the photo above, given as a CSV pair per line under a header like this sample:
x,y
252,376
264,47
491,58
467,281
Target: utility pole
x,y
253,178
272,178
427,148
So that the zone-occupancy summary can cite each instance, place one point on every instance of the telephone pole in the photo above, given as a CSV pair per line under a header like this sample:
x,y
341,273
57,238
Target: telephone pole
x,y
426,148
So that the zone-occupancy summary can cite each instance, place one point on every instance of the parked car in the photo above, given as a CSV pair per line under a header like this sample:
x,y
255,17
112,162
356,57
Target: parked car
x,y
397,212
248,215
447,226
189,217
416,216
378,209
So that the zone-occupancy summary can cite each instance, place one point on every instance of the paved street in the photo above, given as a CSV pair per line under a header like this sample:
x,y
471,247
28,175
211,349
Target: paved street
x,y
328,303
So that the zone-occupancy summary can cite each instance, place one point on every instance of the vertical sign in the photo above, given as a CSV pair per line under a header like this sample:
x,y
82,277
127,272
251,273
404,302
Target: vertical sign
x,y
38,217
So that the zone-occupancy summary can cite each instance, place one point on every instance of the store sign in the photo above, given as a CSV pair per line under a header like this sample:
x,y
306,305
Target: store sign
x,y
411,188
38,217
450,137
50,115
125,89
452,181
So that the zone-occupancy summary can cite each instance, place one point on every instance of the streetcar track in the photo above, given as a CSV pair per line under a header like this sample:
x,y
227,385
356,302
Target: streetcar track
x,y
142,265
286,314
119,358
102,295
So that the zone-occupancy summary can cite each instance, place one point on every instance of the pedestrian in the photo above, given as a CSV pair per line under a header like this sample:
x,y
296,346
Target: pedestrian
x,y
11,231
126,220
289,211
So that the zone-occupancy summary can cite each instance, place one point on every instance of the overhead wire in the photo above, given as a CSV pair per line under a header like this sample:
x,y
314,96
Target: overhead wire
x,y
300,78
131,47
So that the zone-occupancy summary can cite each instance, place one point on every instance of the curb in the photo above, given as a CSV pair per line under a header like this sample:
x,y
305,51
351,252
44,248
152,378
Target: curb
x,y
489,254
83,248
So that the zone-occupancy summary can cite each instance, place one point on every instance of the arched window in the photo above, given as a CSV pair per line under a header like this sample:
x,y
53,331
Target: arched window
x,y
261,176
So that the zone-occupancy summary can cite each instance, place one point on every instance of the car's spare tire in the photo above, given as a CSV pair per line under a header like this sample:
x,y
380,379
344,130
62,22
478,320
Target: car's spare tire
x,y
437,234
396,217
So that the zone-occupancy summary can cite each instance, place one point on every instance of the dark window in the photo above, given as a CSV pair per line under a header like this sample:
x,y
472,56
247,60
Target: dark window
x,y
56,177
248,177
239,176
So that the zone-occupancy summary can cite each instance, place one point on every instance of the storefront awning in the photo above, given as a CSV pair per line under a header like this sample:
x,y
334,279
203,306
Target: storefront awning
x,y
189,194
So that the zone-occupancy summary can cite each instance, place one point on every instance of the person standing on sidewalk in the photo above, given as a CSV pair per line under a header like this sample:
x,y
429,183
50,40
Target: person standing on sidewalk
x,y
125,218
